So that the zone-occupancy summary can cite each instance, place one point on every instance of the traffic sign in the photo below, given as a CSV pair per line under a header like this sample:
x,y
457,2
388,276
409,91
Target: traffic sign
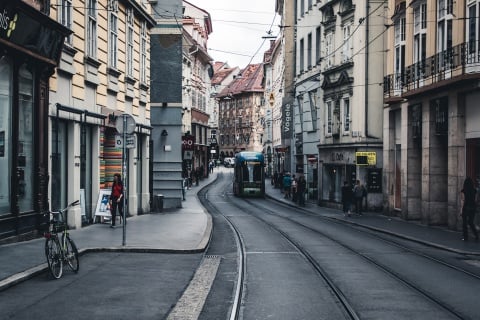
x,y
131,141
129,124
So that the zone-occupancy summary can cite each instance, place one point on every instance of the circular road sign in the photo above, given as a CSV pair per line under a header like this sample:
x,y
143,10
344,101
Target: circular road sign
x,y
130,124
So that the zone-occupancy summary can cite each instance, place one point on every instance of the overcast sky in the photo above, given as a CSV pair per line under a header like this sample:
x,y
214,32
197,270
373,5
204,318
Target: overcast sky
x,y
238,28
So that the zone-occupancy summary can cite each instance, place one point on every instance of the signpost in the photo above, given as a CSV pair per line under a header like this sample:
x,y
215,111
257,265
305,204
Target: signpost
x,y
125,126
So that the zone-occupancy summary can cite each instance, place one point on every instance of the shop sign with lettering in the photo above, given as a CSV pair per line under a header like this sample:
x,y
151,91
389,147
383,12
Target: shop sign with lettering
x,y
287,119
188,142
27,32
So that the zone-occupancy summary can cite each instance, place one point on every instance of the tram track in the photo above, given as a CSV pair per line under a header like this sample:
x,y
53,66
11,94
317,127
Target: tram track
x,y
241,252
374,234
448,308
245,206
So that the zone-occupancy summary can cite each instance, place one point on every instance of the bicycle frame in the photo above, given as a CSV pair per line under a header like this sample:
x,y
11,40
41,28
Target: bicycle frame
x,y
59,250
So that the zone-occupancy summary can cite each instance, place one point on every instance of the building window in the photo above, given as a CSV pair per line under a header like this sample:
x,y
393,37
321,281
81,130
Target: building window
x,y
420,39
309,51
399,52
444,33
130,26
6,103
143,53
313,108
416,114
473,30
329,117
329,50
441,115
346,115
347,43
26,149
318,39
300,111
301,55
113,33
65,17
92,29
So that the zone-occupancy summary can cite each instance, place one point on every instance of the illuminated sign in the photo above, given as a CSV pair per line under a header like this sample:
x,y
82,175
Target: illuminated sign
x,y
366,158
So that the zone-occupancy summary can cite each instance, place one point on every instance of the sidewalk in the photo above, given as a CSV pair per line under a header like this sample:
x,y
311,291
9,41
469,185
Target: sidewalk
x,y
438,237
185,229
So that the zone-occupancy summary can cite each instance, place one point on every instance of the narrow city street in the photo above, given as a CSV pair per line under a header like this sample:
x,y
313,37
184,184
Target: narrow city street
x,y
305,266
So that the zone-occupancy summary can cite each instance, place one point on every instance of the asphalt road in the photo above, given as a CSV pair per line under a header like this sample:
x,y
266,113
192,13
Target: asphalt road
x,y
107,286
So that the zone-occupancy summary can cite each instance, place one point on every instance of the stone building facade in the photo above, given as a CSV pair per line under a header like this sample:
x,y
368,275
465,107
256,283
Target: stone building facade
x,y
431,114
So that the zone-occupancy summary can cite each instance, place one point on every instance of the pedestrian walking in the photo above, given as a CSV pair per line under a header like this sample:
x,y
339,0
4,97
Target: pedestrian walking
x,y
116,198
301,188
293,189
287,184
468,199
358,193
347,197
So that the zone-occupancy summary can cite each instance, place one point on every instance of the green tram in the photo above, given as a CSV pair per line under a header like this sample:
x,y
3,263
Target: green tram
x,y
249,174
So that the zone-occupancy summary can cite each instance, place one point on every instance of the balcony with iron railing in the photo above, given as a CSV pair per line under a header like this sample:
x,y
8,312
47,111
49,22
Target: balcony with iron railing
x,y
459,63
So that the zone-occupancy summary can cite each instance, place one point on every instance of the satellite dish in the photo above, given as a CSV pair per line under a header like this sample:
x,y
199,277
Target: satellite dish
x,y
130,124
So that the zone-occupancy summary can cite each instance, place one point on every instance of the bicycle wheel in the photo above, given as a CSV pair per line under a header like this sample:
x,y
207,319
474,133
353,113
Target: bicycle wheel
x,y
54,257
71,254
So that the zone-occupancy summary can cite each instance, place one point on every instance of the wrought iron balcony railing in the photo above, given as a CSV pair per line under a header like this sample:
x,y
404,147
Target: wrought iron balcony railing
x,y
449,64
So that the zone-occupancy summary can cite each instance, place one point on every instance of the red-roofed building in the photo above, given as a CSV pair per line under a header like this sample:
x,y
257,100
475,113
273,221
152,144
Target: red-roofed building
x,y
241,107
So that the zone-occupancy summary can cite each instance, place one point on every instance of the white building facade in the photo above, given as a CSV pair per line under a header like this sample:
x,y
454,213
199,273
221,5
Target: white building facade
x,y
338,97
103,73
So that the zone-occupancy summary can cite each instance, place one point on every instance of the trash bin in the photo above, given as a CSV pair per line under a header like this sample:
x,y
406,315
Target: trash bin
x,y
158,203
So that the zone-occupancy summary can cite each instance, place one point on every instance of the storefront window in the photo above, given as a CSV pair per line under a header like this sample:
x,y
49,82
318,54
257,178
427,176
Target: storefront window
x,y
25,140
59,164
332,182
5,133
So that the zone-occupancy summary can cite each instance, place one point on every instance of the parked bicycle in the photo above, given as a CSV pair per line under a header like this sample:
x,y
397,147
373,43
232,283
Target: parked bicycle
x,y
59,247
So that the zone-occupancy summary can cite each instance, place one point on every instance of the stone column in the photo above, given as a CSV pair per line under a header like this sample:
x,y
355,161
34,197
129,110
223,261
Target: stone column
x,y
456,158
434,175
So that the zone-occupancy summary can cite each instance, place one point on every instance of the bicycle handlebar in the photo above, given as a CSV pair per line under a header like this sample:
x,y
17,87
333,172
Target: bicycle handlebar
x,y
74,203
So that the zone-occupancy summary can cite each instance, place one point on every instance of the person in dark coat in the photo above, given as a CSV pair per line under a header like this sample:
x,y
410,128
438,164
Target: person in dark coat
x,y
347,198
468,202
358,194
301,187
293,189
116,198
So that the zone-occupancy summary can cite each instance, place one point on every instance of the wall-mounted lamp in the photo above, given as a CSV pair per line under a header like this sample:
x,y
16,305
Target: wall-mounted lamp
x,y
112,118
164,133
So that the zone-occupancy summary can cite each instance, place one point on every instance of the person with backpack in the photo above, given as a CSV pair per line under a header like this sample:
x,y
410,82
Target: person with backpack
x,y
359,192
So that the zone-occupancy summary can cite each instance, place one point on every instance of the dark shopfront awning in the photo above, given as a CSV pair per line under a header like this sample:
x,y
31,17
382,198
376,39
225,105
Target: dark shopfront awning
x,y
281,148
31,31
84,114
